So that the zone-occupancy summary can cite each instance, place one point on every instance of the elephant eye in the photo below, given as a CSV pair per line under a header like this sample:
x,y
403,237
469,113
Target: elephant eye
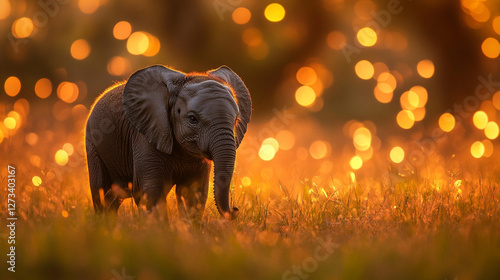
x,y
192,119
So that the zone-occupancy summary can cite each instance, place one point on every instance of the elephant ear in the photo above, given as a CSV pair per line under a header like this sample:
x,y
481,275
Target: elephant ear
x,y
145,100
242,95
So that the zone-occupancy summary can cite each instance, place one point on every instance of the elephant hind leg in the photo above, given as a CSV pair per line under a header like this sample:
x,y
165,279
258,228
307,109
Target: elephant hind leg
x,y
100,181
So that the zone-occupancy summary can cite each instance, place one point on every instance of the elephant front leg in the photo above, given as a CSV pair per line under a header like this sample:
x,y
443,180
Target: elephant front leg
x,y
191,197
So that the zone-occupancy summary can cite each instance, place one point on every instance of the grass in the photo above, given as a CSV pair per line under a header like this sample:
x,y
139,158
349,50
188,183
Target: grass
x,y
439,222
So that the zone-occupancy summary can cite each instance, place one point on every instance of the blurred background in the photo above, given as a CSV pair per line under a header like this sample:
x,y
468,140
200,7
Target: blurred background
x,y
393,68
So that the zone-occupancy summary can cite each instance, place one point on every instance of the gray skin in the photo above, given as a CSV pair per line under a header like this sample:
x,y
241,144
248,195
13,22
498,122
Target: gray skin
x,y
163,128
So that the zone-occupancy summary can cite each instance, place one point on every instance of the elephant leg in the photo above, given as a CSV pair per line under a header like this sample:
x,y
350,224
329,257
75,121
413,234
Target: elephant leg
x,y
192,196
99,179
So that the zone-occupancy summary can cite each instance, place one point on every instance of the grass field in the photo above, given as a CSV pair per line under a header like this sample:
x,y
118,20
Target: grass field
x,y
300,217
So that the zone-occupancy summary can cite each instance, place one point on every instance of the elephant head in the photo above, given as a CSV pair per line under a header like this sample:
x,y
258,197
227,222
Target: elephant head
x,y
205,113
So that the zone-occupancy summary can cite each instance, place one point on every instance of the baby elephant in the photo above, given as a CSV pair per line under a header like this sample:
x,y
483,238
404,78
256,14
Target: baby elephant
x,y
163,128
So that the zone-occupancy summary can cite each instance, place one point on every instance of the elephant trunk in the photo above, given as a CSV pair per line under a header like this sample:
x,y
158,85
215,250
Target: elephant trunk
x,y
223,153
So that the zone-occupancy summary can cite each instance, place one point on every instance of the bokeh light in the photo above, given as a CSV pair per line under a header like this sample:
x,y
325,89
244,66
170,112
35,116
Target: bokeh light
x,y
480,119
119,66
61,157
477,149
22,28
80,49
382,97
88,6
336,40
364,69
491,47
488,148
241,15
274,12
137,43
362,139
305,96
447,122
496,100
67,92
122,30
267,152
367,37
246,181
491,130
405,119
425,68
496,24
318,149
12,86
356,162
10,122
43,88
306,76
37,181
397,154
5,8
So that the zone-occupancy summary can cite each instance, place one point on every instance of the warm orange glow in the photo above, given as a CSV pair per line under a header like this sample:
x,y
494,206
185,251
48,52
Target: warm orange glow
x,y
88,6
381,96
68,148
37,181
367,37
409,100
80,49
447,122
336,40
61,157
22,28
252,37
496,100
306,76
31,138
274,12
364,69
491,130
362,139
137,43
422,95
259,52
488,148
419,113
246,181
305,96
425,68
318,149
286,139
10,123
118,66
64,213
241,15
356,162
491,47
480,119
379,68
405,119
397,154
122,30
496,24
153,46
43,88
386,82
67,92
12,86
364,9
272,142
4,9
477,149
267,152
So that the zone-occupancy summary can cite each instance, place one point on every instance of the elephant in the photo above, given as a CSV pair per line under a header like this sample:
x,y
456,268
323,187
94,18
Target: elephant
x,y
161,128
